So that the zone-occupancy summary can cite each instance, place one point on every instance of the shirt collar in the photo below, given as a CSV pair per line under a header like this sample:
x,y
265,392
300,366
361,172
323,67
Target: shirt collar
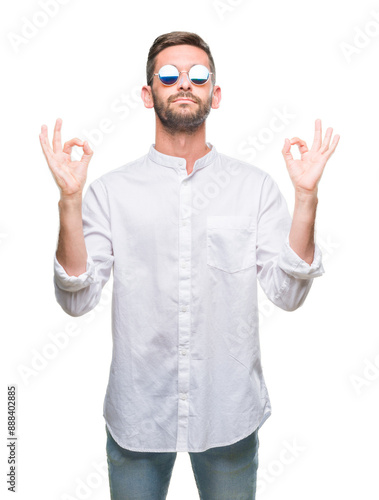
x,y
180,163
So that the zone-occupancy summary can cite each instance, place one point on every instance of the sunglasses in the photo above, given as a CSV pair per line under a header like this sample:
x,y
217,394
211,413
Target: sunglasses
x,y
169,74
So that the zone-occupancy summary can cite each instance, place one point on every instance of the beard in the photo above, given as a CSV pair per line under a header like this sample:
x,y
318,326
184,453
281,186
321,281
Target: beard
x,y
181,120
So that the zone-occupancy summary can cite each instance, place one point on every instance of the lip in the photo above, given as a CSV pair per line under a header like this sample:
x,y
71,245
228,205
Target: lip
x,y
183,99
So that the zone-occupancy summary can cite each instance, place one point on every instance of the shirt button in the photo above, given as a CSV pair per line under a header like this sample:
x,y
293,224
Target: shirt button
x,y
184,264
184,352
184,308
184,222
183,396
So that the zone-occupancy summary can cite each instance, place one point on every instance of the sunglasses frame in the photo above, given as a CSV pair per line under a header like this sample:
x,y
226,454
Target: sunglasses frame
x,y
180,72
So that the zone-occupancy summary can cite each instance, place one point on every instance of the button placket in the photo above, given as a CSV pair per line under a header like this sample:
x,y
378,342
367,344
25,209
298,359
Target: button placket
x,y
184,309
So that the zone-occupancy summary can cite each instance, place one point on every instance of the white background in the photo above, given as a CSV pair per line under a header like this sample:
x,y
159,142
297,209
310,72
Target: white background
x,y
270,57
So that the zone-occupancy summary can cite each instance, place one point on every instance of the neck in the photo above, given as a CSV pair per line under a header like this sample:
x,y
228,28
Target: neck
x,y
191,147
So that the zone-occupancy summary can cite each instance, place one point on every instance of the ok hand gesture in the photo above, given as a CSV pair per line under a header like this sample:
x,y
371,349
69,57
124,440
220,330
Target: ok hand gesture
x,y
70,176
306,173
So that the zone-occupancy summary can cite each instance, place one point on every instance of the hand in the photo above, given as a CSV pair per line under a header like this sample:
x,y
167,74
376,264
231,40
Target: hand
x,y
70,176
306,173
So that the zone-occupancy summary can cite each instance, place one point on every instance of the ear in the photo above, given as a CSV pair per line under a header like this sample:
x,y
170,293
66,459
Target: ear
x,y
216,98
147,96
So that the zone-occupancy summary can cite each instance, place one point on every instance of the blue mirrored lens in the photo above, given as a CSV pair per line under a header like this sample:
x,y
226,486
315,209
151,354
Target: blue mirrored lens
x,y
168,80
168,74
199,74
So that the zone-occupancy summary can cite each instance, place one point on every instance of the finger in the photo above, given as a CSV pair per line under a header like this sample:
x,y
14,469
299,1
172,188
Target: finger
x,y
44,139
328,136
333,146
46,148
286,151
303,148
67,148
57,142
48,152
318,136
87,153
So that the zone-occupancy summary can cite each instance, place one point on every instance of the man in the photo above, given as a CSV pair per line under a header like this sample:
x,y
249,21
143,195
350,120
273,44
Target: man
x,y
188,232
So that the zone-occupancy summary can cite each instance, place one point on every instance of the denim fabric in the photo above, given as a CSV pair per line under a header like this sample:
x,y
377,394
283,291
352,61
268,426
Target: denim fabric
x,y
221,473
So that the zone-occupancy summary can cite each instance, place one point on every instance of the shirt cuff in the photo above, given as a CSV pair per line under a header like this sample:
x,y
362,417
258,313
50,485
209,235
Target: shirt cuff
x,y
295,266
74,283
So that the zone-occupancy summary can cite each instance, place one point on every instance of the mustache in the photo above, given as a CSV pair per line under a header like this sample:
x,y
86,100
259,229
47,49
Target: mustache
x,y
185,96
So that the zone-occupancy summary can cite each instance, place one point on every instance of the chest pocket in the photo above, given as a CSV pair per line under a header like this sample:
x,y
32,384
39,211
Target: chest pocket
x,y
230,242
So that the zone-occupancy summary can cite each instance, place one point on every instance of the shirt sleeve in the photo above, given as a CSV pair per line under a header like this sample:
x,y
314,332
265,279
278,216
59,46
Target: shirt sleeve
x,y
295,266
78,295
283,275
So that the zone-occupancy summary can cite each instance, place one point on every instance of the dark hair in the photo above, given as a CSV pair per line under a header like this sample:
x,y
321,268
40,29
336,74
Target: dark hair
x,y
176,38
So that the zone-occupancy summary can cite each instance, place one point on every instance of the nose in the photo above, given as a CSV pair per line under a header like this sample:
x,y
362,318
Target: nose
x,y
183,81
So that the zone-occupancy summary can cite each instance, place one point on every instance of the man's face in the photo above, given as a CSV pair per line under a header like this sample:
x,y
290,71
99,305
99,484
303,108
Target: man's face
x,y
182,107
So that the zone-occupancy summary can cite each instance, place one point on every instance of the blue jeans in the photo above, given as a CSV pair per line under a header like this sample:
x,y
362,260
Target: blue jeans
x,y
221,473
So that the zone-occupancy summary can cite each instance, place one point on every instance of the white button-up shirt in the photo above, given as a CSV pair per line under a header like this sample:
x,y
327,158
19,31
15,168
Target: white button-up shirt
x,y
186,252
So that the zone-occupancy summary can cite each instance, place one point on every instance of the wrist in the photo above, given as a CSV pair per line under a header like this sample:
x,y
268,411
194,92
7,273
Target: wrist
x,y
70,199
305,197
305,207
